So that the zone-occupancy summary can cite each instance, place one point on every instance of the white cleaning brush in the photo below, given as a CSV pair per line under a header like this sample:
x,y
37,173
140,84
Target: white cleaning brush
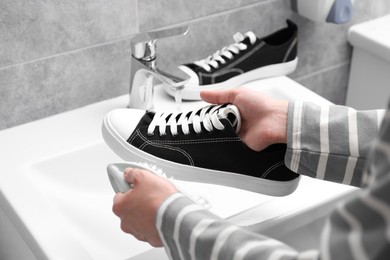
x,y
118,183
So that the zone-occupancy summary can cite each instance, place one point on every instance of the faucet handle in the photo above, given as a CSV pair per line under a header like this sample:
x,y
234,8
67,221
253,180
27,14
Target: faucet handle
x,y
143,45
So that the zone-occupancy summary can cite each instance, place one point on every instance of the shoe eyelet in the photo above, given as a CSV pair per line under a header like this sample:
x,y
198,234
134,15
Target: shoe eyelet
x,y
152,134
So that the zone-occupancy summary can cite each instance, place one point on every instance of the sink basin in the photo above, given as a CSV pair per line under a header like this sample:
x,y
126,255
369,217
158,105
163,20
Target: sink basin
x,y
55,197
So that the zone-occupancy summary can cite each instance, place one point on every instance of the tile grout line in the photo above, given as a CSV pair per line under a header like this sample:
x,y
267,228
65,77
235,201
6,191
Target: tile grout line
x,y
123,38
194,20
317,72
66,52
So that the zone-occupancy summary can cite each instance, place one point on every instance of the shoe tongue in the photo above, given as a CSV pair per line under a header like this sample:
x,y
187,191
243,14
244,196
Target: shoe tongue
x,y
231,113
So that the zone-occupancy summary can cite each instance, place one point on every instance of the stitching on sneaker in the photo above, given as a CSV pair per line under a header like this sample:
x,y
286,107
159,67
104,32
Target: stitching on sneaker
x,y
201,141
213,76
159,145
270,169
192,141
131,138
292,45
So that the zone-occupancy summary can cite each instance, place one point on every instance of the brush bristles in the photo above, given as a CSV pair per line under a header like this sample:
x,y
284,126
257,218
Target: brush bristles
x,y
158,171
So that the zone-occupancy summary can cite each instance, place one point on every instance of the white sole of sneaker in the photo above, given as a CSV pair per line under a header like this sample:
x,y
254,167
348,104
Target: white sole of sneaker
x,y
193,92
191,173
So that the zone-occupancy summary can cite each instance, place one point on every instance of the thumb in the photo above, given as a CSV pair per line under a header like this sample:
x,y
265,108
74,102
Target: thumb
x,y
133,175
218,96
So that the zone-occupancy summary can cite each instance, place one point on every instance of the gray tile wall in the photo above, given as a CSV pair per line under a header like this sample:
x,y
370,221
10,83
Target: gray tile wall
x,y
60,55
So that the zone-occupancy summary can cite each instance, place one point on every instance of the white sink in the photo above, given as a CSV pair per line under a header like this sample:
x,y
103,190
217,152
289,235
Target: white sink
x,y
55,197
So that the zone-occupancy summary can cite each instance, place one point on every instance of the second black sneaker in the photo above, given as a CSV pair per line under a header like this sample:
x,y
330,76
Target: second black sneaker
x,y
249,58
201,145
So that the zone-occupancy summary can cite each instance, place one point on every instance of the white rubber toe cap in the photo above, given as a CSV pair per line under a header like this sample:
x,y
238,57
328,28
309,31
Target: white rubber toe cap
x,y
123,121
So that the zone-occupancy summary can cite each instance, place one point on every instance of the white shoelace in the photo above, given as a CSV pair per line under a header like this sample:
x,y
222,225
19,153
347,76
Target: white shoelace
x,y
226,52
209,116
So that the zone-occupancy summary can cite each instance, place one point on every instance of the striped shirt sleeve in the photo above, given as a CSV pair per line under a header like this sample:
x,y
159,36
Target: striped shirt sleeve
x,y
189,231
330,142
360,228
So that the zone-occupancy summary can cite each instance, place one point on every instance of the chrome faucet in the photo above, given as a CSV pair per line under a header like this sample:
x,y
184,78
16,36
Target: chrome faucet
x,y
144,71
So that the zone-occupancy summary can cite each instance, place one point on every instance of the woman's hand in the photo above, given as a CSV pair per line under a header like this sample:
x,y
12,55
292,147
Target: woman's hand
x,y
138,207
264,119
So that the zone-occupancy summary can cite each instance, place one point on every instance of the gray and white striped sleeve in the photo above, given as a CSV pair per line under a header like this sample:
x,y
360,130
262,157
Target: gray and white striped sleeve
x,y
330,142
360,227
191,232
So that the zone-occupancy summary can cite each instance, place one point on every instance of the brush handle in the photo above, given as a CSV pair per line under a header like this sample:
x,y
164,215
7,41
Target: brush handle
x,y
115,175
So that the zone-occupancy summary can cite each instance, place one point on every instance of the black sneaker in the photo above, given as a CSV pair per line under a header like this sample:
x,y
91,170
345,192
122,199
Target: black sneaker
x,y
200,146
249,58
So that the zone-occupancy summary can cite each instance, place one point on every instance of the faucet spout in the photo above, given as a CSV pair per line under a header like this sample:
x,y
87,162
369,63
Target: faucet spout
x,y
144,72
144,80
